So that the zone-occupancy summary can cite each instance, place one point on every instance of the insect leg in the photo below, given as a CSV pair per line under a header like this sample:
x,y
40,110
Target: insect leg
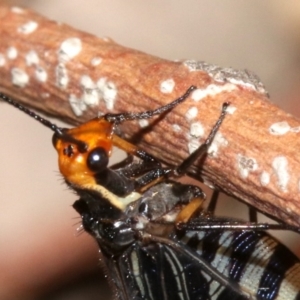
x,y
213,202
231,224
252,214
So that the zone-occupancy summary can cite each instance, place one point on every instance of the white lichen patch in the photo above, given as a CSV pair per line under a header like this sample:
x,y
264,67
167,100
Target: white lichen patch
x,y
212,90
96,61
90,95
17,10
41,74
244,78
191,113
196,130
108,92
28,27
19,77
231,109
69,49
193,145
281,128
264,178
77,105
246,165
143,123
2,60
12,53
280,167
62,78
176,128
167,86
86,82
32,58
218,142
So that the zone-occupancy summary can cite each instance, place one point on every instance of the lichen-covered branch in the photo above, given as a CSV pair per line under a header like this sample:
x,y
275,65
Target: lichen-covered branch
x,y
75,76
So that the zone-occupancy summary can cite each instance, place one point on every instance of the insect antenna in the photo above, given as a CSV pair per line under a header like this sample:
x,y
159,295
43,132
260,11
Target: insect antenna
x,y
32,114
58,131
119,118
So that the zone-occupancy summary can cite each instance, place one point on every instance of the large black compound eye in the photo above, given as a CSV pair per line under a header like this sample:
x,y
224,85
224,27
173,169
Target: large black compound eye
x,y
97,160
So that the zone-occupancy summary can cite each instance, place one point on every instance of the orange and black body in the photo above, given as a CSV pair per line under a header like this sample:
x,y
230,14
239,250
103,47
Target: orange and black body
x,y
156,241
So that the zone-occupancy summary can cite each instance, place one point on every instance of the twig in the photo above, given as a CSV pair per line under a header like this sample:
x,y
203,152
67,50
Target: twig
x,y
75,75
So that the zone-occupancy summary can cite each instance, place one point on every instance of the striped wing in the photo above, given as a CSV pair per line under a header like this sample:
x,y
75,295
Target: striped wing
x,y
180,269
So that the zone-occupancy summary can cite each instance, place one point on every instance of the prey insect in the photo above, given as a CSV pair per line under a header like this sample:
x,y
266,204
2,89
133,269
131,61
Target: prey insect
x,y
156,239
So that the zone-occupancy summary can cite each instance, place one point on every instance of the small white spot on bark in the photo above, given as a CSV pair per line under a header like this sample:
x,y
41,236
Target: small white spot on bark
x,y
19,77
96,61
230,109
28,27
90,95
86,82
62,78
212,90
69,49
246,165
176,127
193,145
218,141
167,86
108,91
143,123
196,130
17,10
279,128
280,167
191,113
41,74
264,178
12,53
32,58
77,105
2,60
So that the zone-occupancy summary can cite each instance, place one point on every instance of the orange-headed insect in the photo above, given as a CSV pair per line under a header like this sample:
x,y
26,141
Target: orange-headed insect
x,y
156,241
84,153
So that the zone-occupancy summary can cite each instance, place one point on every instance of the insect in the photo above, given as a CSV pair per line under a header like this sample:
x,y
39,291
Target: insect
x,y
156,239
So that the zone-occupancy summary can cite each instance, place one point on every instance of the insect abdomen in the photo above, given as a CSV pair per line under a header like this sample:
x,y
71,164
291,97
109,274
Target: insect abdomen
x,y
256,261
